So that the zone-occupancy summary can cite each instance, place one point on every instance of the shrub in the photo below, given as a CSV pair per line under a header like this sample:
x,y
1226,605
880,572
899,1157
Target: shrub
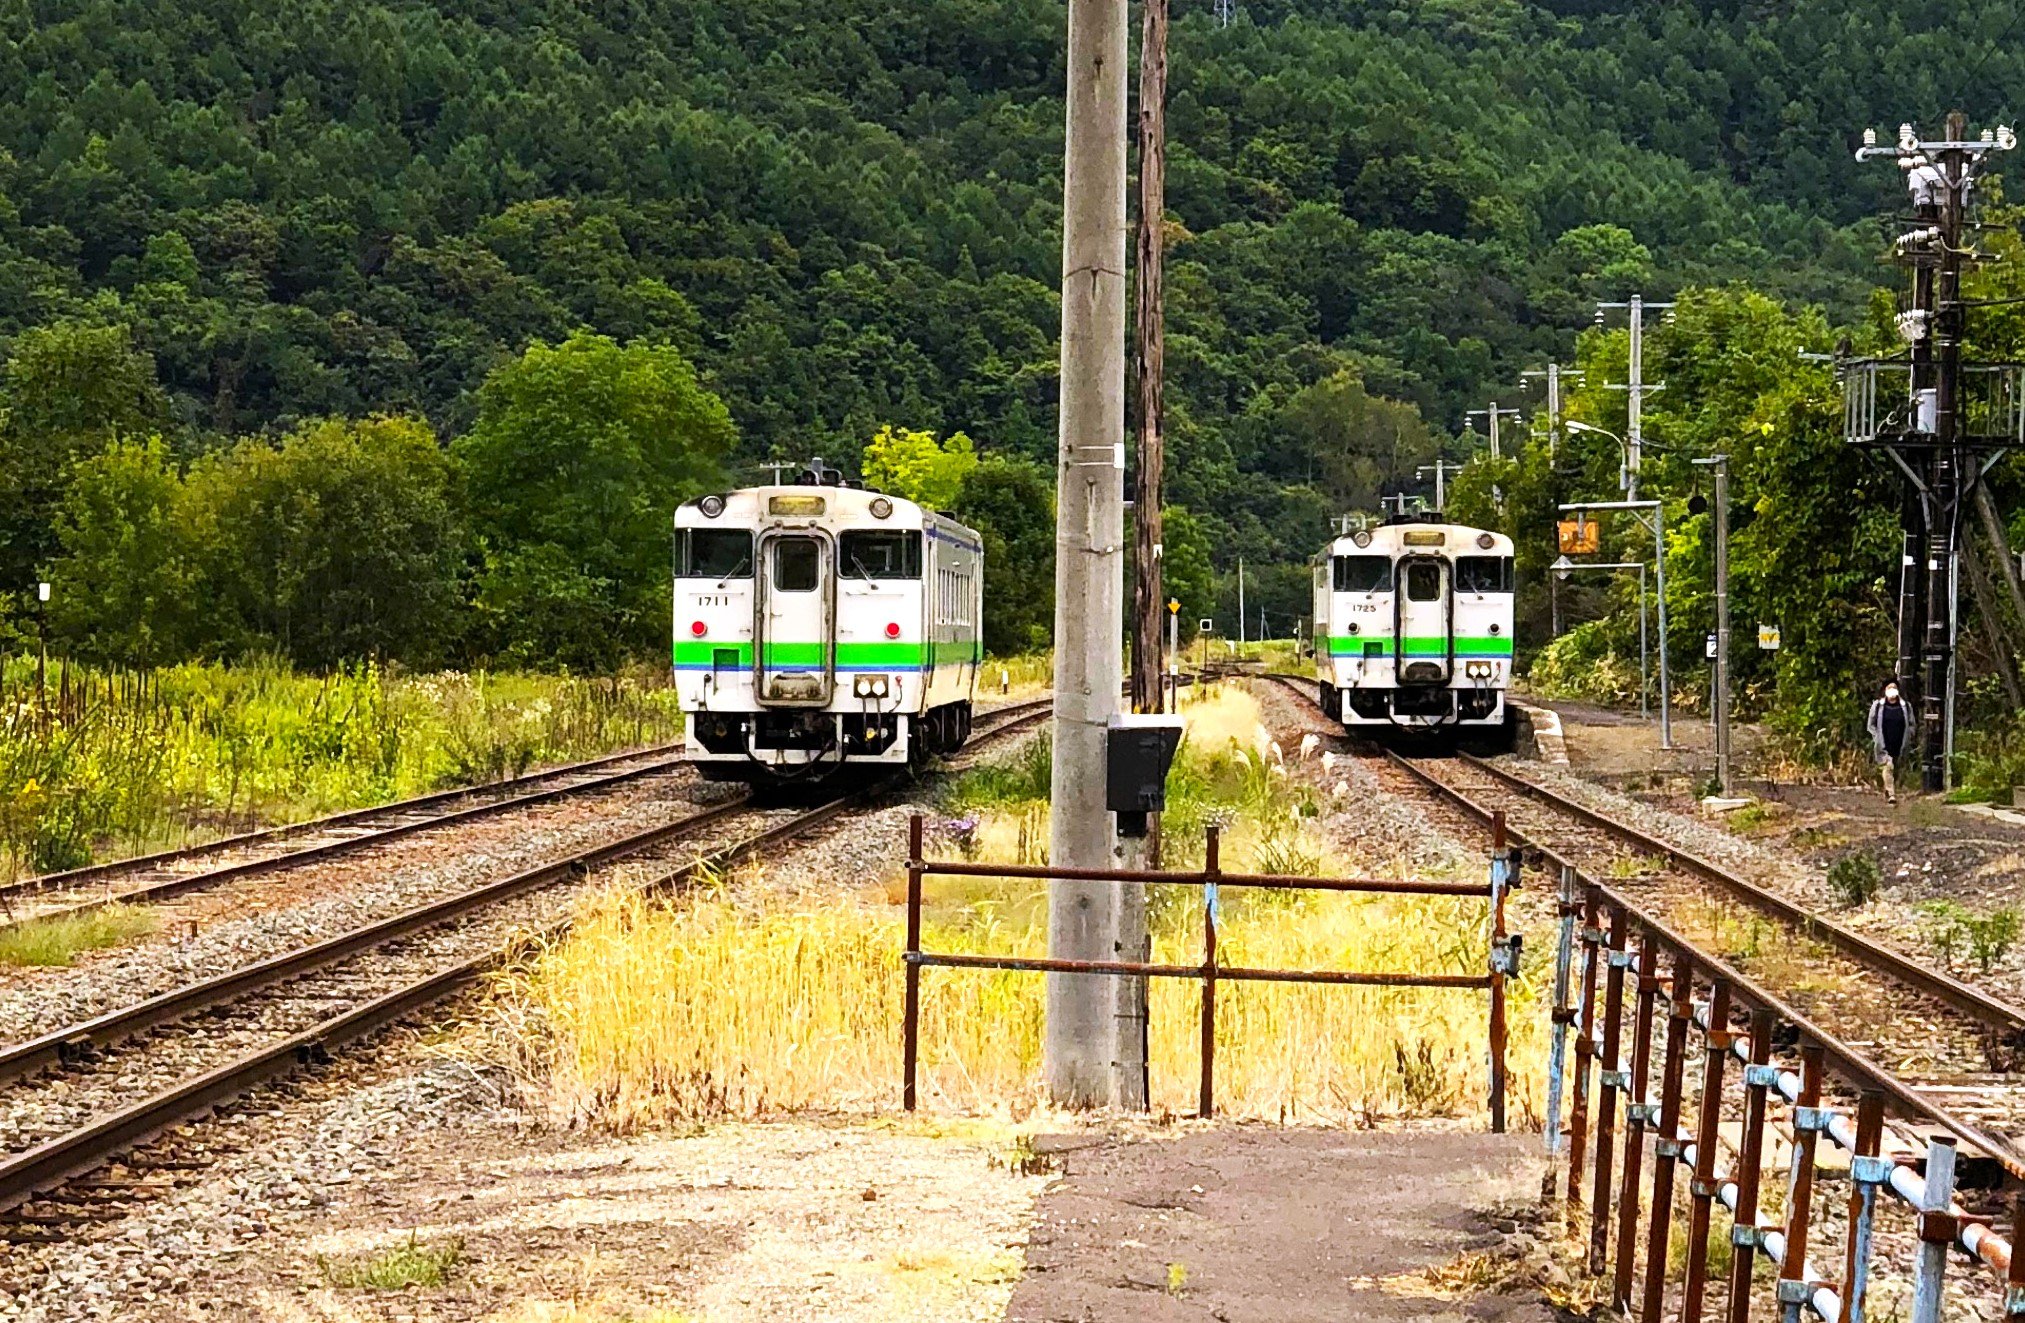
x,y
1855,878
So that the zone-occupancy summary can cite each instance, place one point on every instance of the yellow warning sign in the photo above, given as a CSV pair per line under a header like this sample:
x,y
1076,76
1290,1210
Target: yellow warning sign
x,y
1580,536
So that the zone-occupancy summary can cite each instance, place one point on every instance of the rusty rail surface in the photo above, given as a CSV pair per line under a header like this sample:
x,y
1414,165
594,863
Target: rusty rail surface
x,y
1502,962
1667,1009
163,889
37,1171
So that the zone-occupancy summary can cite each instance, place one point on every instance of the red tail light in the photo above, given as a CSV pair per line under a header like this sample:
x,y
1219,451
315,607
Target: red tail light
x,y
893,630
699,629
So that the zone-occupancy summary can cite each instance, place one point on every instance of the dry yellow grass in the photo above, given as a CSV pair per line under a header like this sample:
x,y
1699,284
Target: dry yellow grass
x,y
689,1009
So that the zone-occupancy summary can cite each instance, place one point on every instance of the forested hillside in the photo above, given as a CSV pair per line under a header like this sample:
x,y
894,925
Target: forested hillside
x,y
846,216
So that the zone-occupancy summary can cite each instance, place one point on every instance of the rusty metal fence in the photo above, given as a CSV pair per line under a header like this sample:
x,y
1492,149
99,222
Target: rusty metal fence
x,y
1501,964
1647,1013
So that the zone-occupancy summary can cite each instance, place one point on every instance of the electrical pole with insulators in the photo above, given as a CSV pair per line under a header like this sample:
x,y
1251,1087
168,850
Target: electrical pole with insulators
x,y
1935,433
1440,469
1493,414
1636,389
1721,515
1080,1039
1553,374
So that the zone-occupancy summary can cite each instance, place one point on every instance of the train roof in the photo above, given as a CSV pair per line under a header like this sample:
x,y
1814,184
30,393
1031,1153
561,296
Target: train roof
x,y
819,503
1412,531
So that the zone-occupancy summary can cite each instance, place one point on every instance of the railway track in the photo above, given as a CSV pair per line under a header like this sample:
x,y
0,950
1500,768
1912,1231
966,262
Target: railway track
x,y
153,878
77,1098
1943,1051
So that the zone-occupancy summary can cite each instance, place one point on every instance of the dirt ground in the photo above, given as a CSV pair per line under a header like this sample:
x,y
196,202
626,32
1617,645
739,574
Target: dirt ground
x,y
1265,1225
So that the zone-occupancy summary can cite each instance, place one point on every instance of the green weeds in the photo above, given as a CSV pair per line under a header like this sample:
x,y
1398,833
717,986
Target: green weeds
x,y
115,763
1953,930
409,1263
62,938
1855,878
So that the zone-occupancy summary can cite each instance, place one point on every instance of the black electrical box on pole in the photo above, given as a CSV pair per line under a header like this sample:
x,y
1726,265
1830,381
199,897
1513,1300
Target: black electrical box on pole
x,y
1941,420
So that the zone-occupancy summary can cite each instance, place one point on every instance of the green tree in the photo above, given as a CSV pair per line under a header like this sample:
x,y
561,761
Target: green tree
x,y
916,466
1011,503
123,583
580,453
65,391
341,542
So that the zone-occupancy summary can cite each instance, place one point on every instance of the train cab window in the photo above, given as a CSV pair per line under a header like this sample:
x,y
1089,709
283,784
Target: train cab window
x,y
716,553
1363,574
1483,574
796,565
1423,581
879,555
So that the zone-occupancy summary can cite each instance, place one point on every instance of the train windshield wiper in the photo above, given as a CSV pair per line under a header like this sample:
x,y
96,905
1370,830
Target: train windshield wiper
x,y
744,564
863,573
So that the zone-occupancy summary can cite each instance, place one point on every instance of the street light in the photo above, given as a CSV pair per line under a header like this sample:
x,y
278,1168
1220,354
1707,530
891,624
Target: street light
x,y
1623,450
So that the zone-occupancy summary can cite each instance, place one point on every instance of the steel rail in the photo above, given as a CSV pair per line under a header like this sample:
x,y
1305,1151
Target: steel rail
x,y
1971,1001
1846,1060
36,1171
141,862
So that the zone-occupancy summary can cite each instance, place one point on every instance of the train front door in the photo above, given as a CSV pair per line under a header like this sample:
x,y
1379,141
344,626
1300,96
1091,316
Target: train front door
x,y
794,627
1426,652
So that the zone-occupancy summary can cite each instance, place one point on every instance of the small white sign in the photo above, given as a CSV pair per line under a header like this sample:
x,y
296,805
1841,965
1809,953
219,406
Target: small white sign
x,y
1709,648
41,592
1768,637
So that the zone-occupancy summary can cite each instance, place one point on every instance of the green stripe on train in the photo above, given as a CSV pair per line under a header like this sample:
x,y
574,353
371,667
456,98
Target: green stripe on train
x,y
895,656
1432,646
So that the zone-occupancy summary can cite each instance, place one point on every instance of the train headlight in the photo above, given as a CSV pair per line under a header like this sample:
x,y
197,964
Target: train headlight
x,y
711,506
881,507
1352,627
1484,540
1362,537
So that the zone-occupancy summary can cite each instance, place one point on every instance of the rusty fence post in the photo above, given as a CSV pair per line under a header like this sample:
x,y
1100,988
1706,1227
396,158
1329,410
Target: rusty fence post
x,y
1937,1230
1211,869
1702,1183
1500,959
1615,1081
1809,1120
910,1031
2014,1279
1637,1116
1585,1044
1666,1146
1745,1233
1867,1172
1564,1015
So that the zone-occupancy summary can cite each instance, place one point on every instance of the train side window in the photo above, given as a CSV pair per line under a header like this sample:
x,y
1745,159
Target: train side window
x,y
1483,574
796,565
716,553
1363,574
865,554
1423,581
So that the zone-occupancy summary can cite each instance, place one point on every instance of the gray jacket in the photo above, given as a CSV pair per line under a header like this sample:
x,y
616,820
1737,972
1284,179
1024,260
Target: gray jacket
x,y
1875,725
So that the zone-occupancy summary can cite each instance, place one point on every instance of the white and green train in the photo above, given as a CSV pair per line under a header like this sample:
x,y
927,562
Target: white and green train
x,y
821,626
1413,628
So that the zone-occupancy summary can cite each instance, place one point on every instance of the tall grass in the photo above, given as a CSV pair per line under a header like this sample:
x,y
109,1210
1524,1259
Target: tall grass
x,y
656,1011
102,762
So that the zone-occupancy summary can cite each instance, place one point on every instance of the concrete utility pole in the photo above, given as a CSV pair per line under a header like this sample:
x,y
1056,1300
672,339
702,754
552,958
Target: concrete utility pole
x,y
1636,389
1721,512
1079,1045
1554,374
1494,413
1440,469
1148,604
1241,605
1930,434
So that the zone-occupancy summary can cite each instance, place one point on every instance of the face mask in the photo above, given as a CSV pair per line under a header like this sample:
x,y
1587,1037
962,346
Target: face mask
x,y
1891,691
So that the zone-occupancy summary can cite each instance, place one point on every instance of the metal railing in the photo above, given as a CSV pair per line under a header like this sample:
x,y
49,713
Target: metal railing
x,y
1695,1009
1879,406
1502,961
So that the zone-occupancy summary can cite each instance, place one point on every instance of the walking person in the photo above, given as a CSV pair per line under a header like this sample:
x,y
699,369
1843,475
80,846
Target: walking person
x,y
1889,723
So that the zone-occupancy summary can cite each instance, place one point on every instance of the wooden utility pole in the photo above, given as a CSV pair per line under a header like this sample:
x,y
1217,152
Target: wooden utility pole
x,y
1148,599
1089,551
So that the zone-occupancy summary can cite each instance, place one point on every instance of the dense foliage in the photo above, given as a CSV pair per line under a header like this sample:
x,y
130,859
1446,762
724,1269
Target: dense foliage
x,y
786,226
